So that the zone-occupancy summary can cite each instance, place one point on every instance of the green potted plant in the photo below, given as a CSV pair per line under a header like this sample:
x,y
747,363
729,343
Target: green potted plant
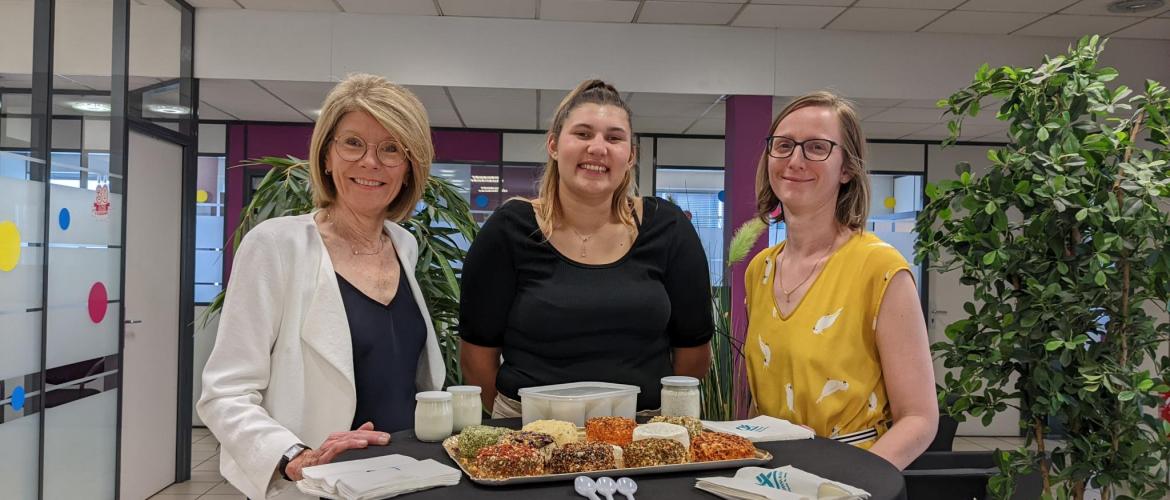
x,y
1066,242
286,190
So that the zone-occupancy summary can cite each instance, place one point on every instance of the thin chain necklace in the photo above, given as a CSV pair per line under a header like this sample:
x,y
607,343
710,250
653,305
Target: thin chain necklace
x,y
346,229
817,263
584,239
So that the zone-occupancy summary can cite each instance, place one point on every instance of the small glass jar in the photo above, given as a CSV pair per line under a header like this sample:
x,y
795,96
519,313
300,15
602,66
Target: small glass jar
x,y
680,397
468,407
433,418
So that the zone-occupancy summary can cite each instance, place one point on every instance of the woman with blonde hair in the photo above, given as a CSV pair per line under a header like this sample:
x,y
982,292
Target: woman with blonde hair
x,y
836,338
324,337
587,281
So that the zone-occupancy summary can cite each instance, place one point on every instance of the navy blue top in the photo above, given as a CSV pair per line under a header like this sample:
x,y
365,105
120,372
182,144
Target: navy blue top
x,y
387,342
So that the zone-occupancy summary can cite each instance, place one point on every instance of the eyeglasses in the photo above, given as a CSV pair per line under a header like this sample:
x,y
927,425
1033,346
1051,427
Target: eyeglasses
x,y
353,148
813,149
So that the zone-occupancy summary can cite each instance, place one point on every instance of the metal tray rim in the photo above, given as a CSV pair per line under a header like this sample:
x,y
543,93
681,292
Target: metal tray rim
x,y
762,457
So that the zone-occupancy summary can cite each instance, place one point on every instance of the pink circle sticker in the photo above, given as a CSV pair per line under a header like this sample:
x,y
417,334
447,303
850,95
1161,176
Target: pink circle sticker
x,y
98,302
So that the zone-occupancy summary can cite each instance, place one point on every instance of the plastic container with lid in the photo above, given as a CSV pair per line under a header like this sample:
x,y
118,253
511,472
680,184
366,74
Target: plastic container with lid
x,y
467,406
578,401
433,417
680,397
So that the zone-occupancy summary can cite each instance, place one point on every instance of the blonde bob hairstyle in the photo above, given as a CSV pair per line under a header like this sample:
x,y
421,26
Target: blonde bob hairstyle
x,y
853,197
550,212
399,112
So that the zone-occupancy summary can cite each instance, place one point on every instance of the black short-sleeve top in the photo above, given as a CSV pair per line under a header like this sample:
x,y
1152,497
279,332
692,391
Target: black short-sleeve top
x,y
558,321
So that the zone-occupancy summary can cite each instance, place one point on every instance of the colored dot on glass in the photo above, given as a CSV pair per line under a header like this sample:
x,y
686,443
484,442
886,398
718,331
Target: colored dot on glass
x,y
481,200
891,202
18,398
98,302
722,195
9,245
63,218
201,196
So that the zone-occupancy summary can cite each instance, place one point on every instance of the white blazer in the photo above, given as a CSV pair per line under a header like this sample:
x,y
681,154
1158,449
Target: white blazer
x,y
281,371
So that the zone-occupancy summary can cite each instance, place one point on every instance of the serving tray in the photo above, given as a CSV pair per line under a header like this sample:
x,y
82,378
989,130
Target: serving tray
x,y
451,445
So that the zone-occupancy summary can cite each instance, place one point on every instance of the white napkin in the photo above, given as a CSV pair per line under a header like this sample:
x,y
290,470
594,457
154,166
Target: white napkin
x,y
761,429
378,477
784,483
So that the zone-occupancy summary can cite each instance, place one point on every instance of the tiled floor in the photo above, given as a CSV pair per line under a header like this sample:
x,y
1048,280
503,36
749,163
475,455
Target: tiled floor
x,y
205,483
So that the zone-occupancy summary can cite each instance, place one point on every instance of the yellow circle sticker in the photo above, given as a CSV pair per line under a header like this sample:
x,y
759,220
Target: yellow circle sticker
x,y
9,246
891,202
201,196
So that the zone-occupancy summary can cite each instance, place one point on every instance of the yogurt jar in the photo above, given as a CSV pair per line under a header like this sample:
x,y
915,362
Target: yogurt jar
x,y
433,416
468,408
680,397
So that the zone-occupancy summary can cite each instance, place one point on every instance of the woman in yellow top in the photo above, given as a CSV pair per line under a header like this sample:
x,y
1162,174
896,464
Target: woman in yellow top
x,y
836,339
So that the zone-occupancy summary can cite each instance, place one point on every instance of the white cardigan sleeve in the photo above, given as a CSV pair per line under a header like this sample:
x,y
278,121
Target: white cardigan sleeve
x,y
237,373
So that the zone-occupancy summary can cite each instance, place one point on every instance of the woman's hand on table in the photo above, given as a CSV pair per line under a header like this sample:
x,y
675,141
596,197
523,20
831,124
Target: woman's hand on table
x,y
336,443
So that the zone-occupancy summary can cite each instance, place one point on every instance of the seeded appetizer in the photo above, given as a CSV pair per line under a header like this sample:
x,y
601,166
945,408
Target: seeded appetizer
x,y
711,446
654,451
663,430
617,431
544,444
502,461
584,457
475,437
693,425
561,431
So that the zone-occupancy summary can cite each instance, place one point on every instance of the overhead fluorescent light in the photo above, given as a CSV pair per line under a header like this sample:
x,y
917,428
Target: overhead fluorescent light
x,y
168,109
90,106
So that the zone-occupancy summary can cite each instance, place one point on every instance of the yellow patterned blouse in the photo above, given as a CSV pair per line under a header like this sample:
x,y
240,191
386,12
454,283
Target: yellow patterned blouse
x,y
819,366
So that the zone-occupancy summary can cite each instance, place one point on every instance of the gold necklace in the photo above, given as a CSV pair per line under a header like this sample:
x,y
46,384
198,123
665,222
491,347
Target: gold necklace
x,y
788,293
346,229
584,239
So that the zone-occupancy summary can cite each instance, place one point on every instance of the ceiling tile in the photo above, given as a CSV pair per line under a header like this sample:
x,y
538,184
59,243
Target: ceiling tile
x,y
496,108
910,4
1158,28
519,9
606,11
822,3
549,100
399,7
687,12
873,102
299,5
1000,135
708,126
207,112
969,132
919,103
661,124
909,115
870,19
439,109
706,1
786,16
885,130
691,106
1044,6
1061,25
214,4
983,23
865,112
246,100
307,97
1101,8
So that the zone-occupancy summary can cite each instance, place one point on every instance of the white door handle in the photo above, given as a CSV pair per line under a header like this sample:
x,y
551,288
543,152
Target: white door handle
x,y
132,321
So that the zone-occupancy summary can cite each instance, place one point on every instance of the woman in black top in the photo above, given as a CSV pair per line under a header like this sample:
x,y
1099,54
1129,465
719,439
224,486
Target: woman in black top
x,y
587,281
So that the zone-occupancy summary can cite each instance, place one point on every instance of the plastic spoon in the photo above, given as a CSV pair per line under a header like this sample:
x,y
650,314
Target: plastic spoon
x,y
586,487
627,487
607,487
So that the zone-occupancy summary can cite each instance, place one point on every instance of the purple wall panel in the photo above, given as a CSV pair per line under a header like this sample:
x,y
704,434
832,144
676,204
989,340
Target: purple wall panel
x,y
466,145
748,117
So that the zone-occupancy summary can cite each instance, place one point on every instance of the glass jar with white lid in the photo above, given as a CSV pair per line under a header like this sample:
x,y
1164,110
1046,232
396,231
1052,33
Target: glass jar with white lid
x,y
433,417
467,406
680,397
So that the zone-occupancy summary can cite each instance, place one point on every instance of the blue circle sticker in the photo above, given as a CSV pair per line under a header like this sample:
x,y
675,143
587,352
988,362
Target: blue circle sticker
x,y
18,398
481,200
721,195
63,218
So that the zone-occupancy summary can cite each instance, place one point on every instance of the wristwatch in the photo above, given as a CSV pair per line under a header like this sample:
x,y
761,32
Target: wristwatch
x,y
288,456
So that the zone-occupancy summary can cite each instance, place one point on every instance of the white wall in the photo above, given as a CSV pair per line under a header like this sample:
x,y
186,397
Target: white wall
x,y
681,152
204,341
516,53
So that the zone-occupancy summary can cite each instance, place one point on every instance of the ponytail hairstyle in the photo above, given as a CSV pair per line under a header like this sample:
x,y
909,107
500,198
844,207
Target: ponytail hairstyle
x,y
549,212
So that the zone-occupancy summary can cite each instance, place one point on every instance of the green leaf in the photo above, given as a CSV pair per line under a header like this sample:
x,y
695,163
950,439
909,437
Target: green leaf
x,y
1125,395
965,178
1042,134
988,258
1053,345
1099,278
990,208
1081,214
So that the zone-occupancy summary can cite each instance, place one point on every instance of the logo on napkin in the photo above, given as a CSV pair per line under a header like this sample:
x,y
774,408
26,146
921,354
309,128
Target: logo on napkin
x,y
751,428
774,479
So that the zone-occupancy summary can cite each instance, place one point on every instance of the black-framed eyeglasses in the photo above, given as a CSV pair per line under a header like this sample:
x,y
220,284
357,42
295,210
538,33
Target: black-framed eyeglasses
x,y
813,149
354,148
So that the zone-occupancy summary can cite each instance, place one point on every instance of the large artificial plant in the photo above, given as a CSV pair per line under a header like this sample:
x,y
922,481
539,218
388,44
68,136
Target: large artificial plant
x,y
443,216
1065,241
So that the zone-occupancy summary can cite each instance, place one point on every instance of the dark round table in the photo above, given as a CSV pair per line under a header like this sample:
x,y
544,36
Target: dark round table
x,y
823,457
